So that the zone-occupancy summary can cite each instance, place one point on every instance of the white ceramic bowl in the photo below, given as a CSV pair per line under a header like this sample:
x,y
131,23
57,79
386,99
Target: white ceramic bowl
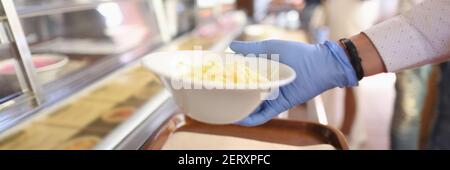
x,y
213,105
47,66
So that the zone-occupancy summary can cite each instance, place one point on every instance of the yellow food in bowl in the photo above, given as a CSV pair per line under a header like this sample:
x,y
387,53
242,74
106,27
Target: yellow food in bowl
x,y
219,72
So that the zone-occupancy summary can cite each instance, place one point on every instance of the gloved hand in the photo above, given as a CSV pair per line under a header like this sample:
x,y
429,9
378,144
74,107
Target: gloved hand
x,y
319,67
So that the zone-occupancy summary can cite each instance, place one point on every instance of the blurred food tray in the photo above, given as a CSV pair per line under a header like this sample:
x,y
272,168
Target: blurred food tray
x,y
97,118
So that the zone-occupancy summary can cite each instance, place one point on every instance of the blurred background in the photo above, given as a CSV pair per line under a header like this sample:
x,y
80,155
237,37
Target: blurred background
x,y
71,78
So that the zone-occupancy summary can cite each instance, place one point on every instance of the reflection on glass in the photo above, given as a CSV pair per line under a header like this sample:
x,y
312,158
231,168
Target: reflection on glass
x,y
69,42
9,82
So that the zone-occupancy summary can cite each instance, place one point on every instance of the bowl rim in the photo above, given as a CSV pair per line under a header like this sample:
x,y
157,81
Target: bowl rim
x,y
64,60
61,61
238,86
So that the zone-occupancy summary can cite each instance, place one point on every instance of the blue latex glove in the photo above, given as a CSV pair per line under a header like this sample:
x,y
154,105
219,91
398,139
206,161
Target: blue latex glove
x,y
319,67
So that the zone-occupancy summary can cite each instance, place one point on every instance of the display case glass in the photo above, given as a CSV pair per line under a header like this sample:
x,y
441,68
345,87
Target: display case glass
x,y
60,47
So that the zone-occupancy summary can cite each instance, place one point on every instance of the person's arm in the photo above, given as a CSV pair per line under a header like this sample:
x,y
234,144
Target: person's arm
x,y
417,37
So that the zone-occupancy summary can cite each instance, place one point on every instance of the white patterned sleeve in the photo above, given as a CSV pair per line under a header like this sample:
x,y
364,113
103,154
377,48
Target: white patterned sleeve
x,y
417,37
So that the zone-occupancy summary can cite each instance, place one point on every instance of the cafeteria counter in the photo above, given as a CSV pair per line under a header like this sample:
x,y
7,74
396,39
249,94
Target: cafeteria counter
x,y
129,109
118,111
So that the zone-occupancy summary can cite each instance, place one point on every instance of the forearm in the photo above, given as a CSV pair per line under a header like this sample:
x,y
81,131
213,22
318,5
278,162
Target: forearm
x,y
371,61
414,38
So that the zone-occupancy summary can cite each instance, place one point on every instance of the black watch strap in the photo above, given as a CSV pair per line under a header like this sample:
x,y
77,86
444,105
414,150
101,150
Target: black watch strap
x,y
355,60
